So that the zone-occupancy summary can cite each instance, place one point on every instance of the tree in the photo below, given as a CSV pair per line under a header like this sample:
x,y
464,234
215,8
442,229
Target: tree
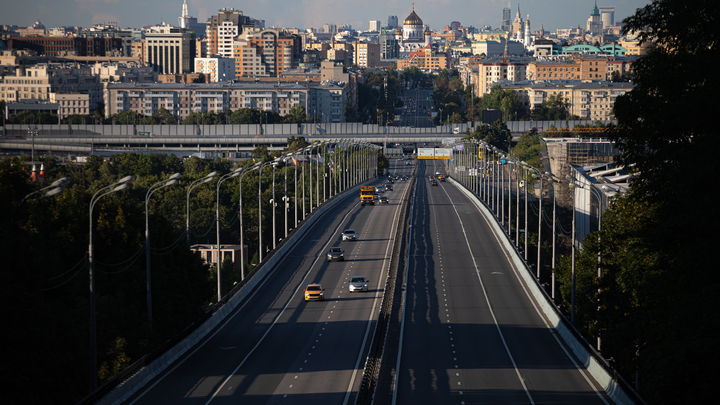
x,y
296,115
674,284
200,78
164,117
295,144
496,134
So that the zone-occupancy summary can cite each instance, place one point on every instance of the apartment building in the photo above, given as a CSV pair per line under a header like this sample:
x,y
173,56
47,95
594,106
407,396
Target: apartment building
x,y
58,46
218,69
71,104
324,100
485,73
264,52
579,67
367,55
426,58
170,50
41,81
592,100
222,28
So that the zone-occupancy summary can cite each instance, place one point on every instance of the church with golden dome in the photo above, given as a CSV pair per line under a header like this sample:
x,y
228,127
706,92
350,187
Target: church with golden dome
x,y
413,36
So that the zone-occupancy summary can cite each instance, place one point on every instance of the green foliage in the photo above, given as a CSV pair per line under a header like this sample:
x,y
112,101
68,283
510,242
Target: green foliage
x,y
505,101
496,134
32,117
295,144
552,109
296,115
528,149
660,282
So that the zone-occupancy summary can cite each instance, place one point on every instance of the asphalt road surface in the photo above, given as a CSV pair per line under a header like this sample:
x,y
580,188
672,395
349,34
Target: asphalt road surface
x,y
471,332
278,349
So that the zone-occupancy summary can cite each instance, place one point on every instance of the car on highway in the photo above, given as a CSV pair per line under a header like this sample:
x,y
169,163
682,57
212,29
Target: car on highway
x,y
349,234
434,183
314,292
384,200
336,254
388,187
408,163
358,283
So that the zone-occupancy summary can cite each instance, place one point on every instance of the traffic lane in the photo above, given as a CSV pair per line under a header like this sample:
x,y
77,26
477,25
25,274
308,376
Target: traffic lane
x,y
202,372
549,374
342,326
337,333
438,285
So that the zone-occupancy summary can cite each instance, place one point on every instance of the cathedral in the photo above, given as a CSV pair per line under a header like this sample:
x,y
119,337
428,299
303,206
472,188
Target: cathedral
x,y
413,36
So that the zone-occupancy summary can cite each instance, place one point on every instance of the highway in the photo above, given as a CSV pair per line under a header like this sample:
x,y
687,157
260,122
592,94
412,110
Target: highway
x,y
471,334
276,348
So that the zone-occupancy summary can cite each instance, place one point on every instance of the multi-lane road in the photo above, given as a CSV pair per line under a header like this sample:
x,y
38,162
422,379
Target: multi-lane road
x,y
470,331
278,349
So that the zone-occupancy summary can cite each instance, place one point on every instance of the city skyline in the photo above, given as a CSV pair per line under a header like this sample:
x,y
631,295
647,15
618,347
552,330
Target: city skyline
x,y
306,14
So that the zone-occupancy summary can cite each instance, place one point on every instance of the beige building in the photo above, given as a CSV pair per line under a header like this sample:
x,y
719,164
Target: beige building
x,y
426,58
264,52
485,73
579,67
367,55
71,104
586,99
218,69
323,100
39,81
170,50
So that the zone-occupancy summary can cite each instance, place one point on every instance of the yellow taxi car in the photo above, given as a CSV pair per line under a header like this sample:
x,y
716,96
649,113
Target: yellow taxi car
x,y
314,292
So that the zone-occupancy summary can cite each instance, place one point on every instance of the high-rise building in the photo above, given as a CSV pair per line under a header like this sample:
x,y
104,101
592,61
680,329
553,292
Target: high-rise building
x,y
505,22
607,15
221,29
367,54
374,25
595,23
170,50
389,46
392,22
265,52
517,25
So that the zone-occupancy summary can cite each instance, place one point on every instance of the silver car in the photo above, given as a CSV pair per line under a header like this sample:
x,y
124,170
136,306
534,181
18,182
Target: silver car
x,y
358,283
335,254
349,234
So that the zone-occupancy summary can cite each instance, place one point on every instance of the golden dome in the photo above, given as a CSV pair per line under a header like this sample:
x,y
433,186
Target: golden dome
x,y
413,19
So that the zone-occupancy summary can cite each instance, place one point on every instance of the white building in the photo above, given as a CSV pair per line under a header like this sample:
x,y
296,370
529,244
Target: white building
x,y
219,69
374,25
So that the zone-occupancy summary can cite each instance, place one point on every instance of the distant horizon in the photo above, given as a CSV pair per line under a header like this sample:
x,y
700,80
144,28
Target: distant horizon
x,y
314,14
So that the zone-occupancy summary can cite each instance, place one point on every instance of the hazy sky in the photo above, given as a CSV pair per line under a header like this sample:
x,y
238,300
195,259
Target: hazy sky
x,y
306,13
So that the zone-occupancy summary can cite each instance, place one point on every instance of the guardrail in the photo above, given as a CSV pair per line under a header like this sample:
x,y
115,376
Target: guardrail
x,y
615,386
133,378
391,299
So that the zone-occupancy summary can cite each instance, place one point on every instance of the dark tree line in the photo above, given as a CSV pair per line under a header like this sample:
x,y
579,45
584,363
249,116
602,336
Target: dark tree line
x,y
658,299
45,272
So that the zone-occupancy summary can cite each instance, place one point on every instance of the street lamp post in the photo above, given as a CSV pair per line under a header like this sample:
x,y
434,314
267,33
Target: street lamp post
x,y
242,230
230,175
56,190
119,186
171,181
210,177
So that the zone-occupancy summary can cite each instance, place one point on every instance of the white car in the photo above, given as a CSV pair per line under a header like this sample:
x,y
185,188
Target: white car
x,y
358,283
349,234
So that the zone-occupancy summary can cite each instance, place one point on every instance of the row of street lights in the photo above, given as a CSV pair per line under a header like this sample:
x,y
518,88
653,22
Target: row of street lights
x,y
483,157
349,169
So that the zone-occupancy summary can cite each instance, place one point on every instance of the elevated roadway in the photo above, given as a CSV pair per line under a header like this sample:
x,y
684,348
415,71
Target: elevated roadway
x,y
471,332
276,348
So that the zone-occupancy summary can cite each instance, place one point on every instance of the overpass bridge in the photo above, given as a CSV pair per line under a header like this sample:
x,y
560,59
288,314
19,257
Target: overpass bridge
x,y
213,139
